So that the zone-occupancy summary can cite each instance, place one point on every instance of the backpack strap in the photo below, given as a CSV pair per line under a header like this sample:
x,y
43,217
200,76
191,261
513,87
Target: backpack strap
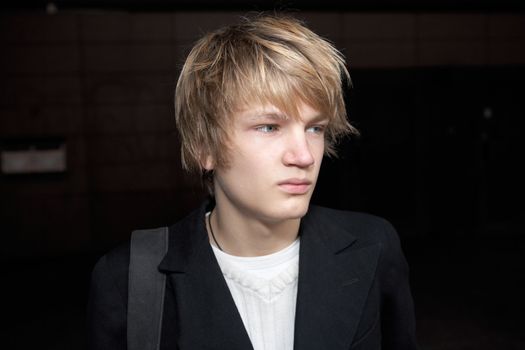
x,y
146,288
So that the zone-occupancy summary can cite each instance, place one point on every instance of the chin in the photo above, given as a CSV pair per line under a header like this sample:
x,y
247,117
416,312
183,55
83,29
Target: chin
x,y
293,209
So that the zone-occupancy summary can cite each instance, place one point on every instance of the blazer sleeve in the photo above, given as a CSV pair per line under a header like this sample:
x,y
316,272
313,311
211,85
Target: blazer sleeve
x,y
107,303
398,326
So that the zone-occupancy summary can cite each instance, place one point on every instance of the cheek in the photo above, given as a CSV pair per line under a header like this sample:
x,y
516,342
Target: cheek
x,y
318,150
320,147
257,155
246,169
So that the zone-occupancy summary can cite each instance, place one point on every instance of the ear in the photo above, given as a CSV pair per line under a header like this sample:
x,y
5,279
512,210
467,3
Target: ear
x,y
208,163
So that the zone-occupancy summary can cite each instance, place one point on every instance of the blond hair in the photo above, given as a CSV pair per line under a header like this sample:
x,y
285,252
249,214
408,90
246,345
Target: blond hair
x,y
268,59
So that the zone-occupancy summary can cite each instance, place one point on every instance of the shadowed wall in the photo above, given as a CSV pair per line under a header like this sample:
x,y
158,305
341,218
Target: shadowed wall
x,y
104,82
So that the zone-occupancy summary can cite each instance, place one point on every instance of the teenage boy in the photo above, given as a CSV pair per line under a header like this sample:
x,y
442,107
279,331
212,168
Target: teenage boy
x,y
258,104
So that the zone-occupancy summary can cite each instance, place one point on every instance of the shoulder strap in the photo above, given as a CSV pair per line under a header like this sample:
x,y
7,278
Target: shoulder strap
x,y
146,288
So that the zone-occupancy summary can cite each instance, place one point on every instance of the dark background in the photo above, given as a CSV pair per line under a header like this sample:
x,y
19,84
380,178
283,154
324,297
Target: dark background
x,y
438,92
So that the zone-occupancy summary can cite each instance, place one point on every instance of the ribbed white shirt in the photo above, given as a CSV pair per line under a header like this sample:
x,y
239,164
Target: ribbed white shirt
x,y
264,289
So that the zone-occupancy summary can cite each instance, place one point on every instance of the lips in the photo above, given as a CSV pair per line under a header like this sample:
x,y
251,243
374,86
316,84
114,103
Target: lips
x,y
295,186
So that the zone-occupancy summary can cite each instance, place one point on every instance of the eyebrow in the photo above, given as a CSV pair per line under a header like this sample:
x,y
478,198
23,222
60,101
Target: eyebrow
x,y
282,116
319,118
269,115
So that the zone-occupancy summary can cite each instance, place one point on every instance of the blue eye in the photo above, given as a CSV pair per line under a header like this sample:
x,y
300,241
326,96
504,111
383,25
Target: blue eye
x,y
269,128
316,129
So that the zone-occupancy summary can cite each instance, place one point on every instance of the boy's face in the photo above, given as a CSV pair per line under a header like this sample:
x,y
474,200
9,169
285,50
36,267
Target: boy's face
x,y
274,162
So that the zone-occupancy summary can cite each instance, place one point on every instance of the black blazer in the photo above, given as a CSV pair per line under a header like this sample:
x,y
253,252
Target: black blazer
x,y
353,290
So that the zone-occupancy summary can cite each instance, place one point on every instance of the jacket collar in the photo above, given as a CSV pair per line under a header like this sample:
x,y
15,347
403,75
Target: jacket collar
x,y
189,235
185,238
335,274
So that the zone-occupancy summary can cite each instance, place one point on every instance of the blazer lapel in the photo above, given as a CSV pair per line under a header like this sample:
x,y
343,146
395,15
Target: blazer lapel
x,y
335,275
206,313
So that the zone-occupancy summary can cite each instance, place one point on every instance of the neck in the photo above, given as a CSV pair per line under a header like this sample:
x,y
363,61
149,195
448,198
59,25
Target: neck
x,y
241,234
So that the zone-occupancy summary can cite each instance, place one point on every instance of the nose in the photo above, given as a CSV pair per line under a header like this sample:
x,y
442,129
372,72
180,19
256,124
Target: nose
x,y
298,152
